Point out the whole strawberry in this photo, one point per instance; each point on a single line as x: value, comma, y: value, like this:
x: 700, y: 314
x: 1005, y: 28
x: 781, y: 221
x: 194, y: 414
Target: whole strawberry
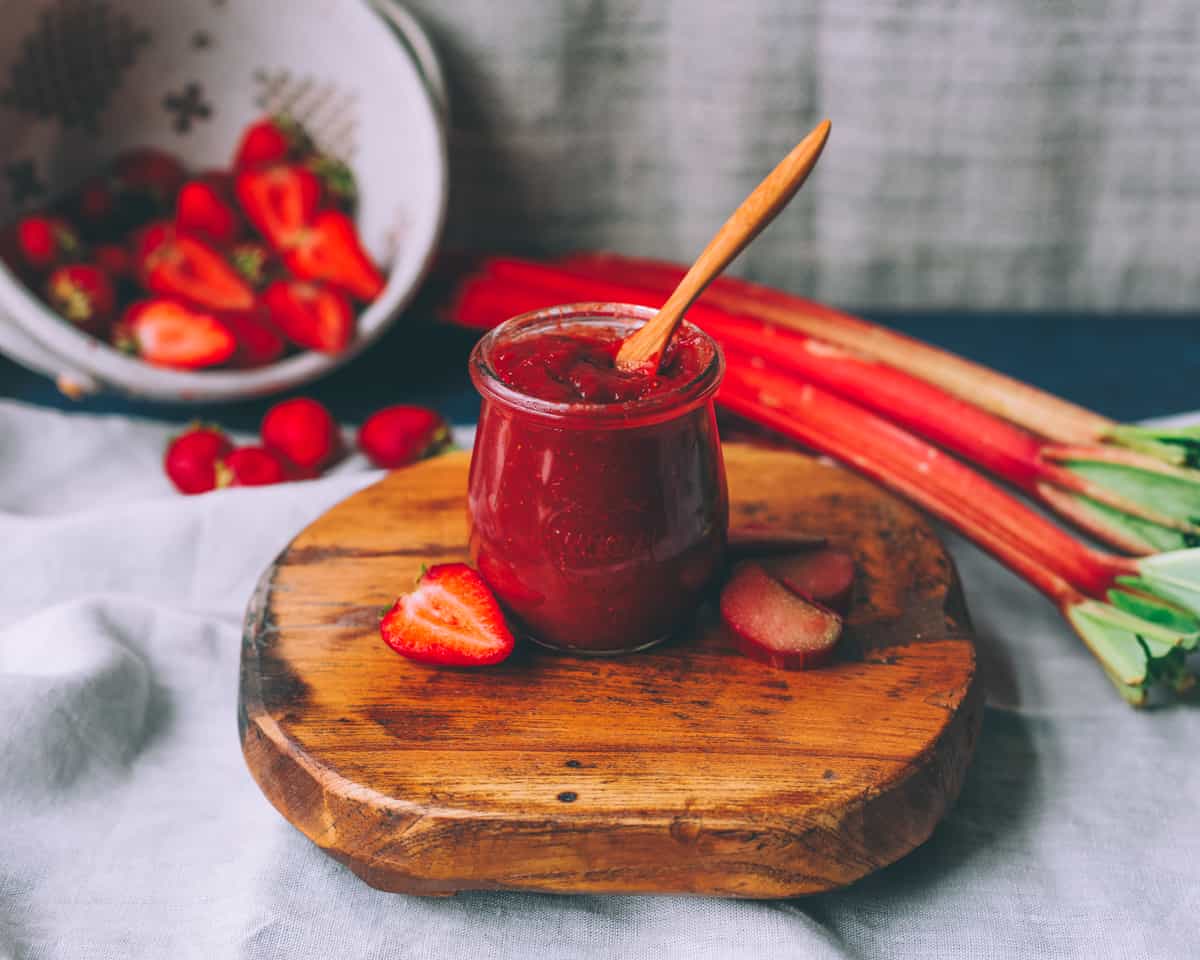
x: 43, y: 242
x: 304, y: 432
x: 402, y: 434
x: 191, y: 458
x: 82, y: 294
x: 250, y: 467
x: 204, y: 208
x: 273, y: 139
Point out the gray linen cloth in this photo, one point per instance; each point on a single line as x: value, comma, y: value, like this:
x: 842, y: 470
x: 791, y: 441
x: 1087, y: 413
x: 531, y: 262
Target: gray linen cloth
x: 129, y: 827
x: 995, y: 153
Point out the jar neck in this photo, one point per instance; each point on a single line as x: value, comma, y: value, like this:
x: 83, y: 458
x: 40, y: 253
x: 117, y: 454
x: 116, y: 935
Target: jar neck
x: 623, y: 319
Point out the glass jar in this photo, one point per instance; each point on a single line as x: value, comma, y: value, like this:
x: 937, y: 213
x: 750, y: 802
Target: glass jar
x: 598, y: 525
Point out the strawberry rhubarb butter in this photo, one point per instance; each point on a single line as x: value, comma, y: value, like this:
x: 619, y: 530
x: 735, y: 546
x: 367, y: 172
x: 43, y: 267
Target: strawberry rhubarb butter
x: 597, y: 498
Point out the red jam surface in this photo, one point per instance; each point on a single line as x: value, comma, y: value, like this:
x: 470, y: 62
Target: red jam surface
x: 580, y: 366
x: 598, y: 527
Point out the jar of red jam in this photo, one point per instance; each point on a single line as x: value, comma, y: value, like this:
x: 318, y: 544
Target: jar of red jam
x: 597, y: 499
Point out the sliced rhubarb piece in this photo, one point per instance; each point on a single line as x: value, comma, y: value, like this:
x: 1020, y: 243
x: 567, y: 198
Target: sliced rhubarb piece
x: 774, y: 625
x: 823, y: 576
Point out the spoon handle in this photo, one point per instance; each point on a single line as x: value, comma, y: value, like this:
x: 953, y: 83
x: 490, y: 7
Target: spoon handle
x: 646, y: 346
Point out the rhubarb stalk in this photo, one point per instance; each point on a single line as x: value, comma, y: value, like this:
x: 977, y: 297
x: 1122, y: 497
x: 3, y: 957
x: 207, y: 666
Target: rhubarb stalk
x: 1140, y: 634
x: 1038, y: 411
x: 1131, y: 501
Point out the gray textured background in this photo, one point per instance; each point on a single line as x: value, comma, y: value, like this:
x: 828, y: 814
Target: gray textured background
x: 1001, y: 153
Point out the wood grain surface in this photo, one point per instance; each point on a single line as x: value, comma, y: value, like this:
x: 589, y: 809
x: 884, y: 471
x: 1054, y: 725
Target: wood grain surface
x: 685, y: 769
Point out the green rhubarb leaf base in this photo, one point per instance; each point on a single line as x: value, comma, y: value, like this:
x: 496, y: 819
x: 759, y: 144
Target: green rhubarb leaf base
x: 1125, y: 527
x: 1137, y: 654
x: 1172, y: 495
x: 1137, y: 598
x: 1174, y: 577
x: 1179, y: 446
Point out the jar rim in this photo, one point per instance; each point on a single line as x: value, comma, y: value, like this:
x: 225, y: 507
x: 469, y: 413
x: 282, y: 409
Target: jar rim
x: 664, y: 405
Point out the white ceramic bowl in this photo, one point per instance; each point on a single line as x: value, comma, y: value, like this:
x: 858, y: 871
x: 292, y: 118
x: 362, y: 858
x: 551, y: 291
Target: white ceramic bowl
x: 83, y: 80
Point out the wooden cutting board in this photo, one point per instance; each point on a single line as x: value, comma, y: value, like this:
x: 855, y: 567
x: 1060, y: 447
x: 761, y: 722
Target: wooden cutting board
x: 685, y: 769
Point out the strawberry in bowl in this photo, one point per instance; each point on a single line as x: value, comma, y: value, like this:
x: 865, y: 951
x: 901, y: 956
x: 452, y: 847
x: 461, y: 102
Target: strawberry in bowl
x: 234, y: 269
x: 378, y: 159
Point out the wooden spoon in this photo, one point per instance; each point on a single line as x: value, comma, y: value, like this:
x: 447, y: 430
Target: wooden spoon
x: 643, y: 350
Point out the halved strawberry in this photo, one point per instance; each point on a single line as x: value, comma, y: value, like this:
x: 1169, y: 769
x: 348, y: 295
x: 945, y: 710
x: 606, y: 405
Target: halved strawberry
x: 43, y: 242
x: 311, y: 315
x: 168, y: 333
x: 279, y: 201
x: 303, y: 432
x: 328, y: 249
x: 250, y: 467
x: 171, y: 263
x: 259, y: 342
x: 204, y: 210
x: 774, y: 625
x: 191, y: 458
x: 451, y: 618
x: 273, y: 139
x: 83, y: 294
x: 825, y: 576
x: 402, y: 434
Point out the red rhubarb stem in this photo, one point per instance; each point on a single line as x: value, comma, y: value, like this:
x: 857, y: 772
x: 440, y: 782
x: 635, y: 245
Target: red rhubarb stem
x: 1036, y: 410
x: 912, y: 467
x: 979, y: 436
x: 1024, y: 540
x: 941, y: 417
